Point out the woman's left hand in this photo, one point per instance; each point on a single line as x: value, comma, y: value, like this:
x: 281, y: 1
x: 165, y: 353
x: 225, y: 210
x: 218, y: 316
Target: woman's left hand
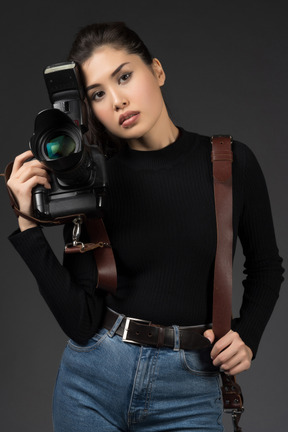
x: 230, y: 353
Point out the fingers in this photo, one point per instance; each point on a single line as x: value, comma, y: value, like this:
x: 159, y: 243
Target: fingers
x: 22, y: 163
x: 222, y: 343
x: 31, y: 170
x: 20, y: 159
x: 24, y: 187
x: 24, y: 171
x: 209, y: 334
x: 231, y: 354
x: 24, y: 177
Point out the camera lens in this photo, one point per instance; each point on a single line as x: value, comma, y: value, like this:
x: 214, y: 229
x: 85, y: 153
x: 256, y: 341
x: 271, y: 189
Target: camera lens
x: 56, y: 140
x: 58, y: 143
x: 60, y: 146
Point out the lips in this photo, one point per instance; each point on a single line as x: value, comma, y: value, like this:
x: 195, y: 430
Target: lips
x: 125, y: 118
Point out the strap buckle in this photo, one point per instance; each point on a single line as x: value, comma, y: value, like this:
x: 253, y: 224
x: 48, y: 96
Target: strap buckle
x: 236, y: 415
x: 76, y: 244
x: 126, y: 328
x: 234, y: 411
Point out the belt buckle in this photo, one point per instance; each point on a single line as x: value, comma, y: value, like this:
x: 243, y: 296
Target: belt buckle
x: 126, y: 328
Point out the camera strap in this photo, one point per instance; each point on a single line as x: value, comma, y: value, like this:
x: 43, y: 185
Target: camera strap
x: 101, y: 247
x: 100, y: 243
x: 222, y: 158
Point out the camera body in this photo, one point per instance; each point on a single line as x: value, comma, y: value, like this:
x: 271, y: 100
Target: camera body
x: 77, y: 169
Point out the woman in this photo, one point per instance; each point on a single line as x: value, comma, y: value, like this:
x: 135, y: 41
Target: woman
x: 160, y: 218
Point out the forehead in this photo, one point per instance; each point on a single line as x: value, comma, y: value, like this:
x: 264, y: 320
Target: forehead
x: 104, y: 61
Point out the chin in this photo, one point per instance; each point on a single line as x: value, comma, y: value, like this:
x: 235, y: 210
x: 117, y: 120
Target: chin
x: 133, y: 133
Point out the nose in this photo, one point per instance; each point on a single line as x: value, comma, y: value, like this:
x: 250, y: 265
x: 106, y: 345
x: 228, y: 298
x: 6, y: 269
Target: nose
x: 120, y: 105
x: 119, y: 102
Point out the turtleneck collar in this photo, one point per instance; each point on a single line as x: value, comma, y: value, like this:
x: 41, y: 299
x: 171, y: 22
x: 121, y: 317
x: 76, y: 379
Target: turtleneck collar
x: 155, y: 159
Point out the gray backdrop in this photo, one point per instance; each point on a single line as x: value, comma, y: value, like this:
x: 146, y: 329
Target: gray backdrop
x: 226, y: 65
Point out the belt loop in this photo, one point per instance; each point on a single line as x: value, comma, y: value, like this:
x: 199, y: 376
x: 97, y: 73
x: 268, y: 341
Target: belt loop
x: 115, y: 326
x: 176, y: 338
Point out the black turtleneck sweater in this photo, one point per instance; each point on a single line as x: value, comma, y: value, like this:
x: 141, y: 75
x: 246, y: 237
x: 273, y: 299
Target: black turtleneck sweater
x: 160, y: 218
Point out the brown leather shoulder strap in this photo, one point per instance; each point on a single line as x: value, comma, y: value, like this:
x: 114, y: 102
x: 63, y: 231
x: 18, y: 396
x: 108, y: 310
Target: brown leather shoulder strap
x: 222, y: 158
x: 104, y: 257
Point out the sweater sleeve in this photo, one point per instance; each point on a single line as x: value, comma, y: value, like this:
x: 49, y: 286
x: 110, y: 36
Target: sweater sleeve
x: 68, y: 289
x: 263, y: 265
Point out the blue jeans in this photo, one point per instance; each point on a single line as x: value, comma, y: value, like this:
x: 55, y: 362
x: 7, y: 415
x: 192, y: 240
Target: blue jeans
x: 109, y: 385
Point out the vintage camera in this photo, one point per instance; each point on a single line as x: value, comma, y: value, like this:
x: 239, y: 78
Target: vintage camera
x: 77, y: 169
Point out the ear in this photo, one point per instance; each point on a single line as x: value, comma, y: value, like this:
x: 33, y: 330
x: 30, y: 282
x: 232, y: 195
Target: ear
x: 158, y: 72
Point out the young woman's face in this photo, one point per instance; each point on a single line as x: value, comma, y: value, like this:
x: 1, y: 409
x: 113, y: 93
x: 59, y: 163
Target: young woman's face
x: 124, y: 92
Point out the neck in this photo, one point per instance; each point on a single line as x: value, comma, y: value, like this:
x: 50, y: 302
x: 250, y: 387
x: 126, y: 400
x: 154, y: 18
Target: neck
x: 161, y: 135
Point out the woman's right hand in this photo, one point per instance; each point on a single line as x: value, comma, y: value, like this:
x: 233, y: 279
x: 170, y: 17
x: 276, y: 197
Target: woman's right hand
x: 24, y: 176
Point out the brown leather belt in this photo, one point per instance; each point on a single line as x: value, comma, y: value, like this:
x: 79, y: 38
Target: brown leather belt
x: 143, y: 332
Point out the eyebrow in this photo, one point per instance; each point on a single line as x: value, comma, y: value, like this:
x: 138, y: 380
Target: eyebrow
x: 112, y: 75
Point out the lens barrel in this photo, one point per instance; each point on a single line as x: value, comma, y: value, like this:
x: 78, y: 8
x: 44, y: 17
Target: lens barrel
x: 58, y: 143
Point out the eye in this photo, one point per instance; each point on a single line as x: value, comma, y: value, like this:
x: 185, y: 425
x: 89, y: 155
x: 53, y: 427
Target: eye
x: 125, y: 77
x: 98, y: 95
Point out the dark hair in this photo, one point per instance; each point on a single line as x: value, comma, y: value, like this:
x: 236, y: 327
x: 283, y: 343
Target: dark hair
x: 88, y: 39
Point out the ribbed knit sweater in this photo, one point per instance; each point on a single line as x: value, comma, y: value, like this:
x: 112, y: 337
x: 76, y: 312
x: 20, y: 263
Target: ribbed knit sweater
x: 160, y: 218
